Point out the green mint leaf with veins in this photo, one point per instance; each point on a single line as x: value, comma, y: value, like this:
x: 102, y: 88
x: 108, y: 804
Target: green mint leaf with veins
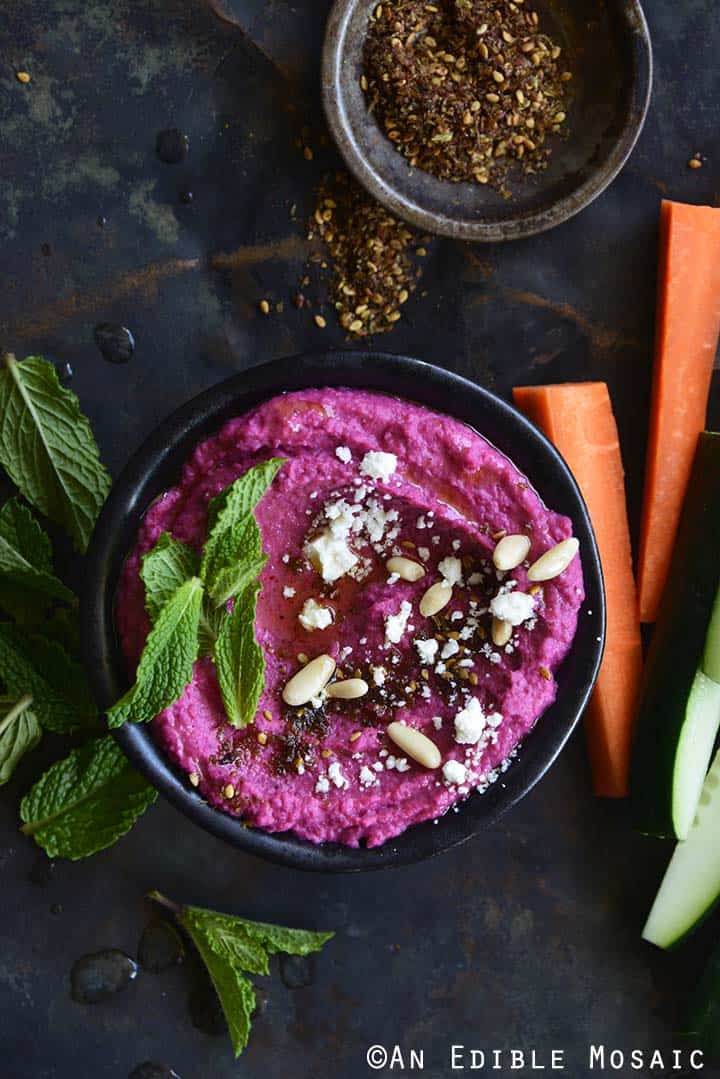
x: 238, y: 562
x: 20, y: 732
x: 26, y: 554
x: 233, y: 947
x: 47, y: 447
x: 239, y: 660
x: 85, y: 802
x: 233, y: 550
x: 168, y: 565
x: 166, y: 665
x: 30, y: 663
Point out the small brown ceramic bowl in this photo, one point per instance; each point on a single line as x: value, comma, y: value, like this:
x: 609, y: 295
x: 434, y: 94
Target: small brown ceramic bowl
x: 607, y: 48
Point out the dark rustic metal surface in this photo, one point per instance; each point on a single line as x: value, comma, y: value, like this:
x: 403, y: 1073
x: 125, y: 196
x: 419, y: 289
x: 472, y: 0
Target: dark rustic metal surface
x: 529, y: 935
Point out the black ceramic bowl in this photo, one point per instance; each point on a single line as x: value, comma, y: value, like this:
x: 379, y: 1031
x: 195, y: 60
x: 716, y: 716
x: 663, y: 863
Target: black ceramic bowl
x: 607, y: 48
x: 157, y: 466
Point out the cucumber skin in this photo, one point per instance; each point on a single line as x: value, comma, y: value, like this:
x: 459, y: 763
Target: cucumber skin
x: 678, y: 644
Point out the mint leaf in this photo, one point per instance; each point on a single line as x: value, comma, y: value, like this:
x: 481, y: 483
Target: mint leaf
x: 239, y: 660
x: 85, y: 802
x: 19, y: 733
x: 230, y: 946
x: 26, y: 555
x: 47, y: 447
x: 235, y: 992
x: 30, y: 663
x: 233, y: 550
x: 237, y: 562
x: 166, y: 665
x: 168, y: 565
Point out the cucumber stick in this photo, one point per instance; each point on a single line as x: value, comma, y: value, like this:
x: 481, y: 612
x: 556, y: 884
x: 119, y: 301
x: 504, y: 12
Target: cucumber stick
x: 679, y: 711
x: 694, y: 750
x: 691, y: 885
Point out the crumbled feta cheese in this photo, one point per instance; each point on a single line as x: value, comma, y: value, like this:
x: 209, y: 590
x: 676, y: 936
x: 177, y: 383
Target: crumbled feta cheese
x: 470, y: 723
x: 454, y: 772
x: 330, y: 555
x: 379, y: 674
x: 395, y: 624
x: 288, y: 592
x: 368, y: 777
x: 342, y: 517
x: 512, y: 607
x: 451, y: 569
x: 451, y: 648
x: 456, y: 545
x: 378, y: 465
x: 335, y: 776
x: 343, y: 454
x: 314, y: 616
x: 427, y: 650
x: 323, y: 785
x: 475, y: 578
x: 400, y: 764
x: 424, y: 553
x: 286, y: 558
x: 437, y: 722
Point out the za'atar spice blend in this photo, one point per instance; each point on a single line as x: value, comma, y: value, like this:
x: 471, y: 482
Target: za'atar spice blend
x: 467, y: 90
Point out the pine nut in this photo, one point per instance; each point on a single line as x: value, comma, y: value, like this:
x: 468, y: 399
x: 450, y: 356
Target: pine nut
x: 405, y: 568
x: 511, y: 551
x: 349, y: 689
x: 437, y: 596
x: 501, y: 632
x: 555, y: 561
x: 309, y: 681
x: 415, y: 744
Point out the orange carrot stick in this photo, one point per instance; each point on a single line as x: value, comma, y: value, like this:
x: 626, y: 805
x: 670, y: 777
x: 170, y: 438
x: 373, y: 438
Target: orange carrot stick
x: 688, y: 323
x: 578, y: 419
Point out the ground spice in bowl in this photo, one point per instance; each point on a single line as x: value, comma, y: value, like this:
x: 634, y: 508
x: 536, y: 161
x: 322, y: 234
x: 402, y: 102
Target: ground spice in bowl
x: 468, y: 90
x: 372, y: 258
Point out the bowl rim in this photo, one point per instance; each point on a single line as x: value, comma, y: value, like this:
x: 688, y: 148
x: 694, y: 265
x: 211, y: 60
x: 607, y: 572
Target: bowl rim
x: 334, y: 73
x: 158, y: 463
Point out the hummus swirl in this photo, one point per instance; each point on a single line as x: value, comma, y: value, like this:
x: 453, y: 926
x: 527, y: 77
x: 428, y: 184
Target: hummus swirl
x: 367, y: 478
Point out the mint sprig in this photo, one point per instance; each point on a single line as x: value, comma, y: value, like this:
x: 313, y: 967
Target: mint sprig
x: 239, y: 660
x: 168, y: 565
x: 231, y: 563
x: 166, y: 665
x: 20, y: 732
x: 85, y: 802
x: 232, y: 948
x: 47, y: 447
x: 26, y: 555
x: 233, y: 556
x: 31, y: 663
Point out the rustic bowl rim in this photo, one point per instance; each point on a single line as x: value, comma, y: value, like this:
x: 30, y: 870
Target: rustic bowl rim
x: 157, y: 464
x: 335, y: 75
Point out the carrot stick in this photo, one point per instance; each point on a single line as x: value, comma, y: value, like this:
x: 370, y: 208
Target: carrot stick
x: 688, y: 323
x: 578, y: 419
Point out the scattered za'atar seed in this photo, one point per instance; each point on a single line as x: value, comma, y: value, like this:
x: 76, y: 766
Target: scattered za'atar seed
x: 367, y: 252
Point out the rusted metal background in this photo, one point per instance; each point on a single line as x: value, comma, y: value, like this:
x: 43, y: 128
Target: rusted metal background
x: 527, y: 937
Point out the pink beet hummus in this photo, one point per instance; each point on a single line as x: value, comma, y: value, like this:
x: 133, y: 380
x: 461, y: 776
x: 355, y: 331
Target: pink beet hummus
x: 377, y: 477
